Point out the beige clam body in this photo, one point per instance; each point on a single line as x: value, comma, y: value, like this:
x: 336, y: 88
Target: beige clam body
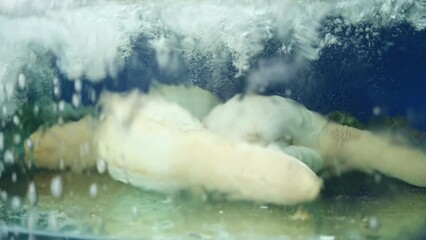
x: 151, y: 142
x: 163, y: 147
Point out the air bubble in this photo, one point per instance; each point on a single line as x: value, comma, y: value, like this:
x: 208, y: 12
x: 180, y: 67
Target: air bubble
x: 93, y: 190
x: 373, y: 223
x: 4, y: 110
x: 60, y: 120
x: 57, y: 91
x: 288, y: 137
x: 376, y: 111
x: 135, y: 212
x: 92, y: 95
x: 32, y: 220
x: 56, y: 186
x: 21, y: 81
x: 1, y: 168
x: 36, y: 109
x: 52, y: 221
x: 55, y: 81
x: 84, y: 149
x: 61, y: 164
x: 16, y: 120
x: 29, y: 143
x: 76, y: 100
x: 61, y: 106
x: 3, y: 195
x: 16, y: 138
x: 15, y: 202
x: 32, y: 194
x: 1, y: 141
x: 55, y: 108
x: 101, y: 166
x: 288, y: 93
x: 8, y: 157
x: 14, y: 177
x: 78, y: 85
x: 377, y: 178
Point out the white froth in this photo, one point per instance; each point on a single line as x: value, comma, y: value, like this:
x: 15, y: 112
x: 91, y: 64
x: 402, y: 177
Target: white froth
x: 91, y: 39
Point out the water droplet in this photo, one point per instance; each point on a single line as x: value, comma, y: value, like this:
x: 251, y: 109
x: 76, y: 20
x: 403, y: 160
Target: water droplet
x: 263, y: 207
x: 14, y: 177
x: 220, y: 211
x: 101, y: 166
x: 21, y: 81
x: 376, y: 111
x: 16, y: 120
x: 15, y: 202
x: 8, y: 157
x: 76, y: 100
x: 93, y: 190
x: 78, y: 85
x: 32, y: 194
x: 56, y: 186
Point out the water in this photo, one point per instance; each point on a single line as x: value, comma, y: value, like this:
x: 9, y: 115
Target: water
x: 57, y: 57
x: 388, y: 210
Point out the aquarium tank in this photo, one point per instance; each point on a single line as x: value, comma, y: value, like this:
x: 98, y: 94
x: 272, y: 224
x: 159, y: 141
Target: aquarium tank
x: 192, y: 119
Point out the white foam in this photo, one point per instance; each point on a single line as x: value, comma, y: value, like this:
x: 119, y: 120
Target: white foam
x: 91, y: 38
